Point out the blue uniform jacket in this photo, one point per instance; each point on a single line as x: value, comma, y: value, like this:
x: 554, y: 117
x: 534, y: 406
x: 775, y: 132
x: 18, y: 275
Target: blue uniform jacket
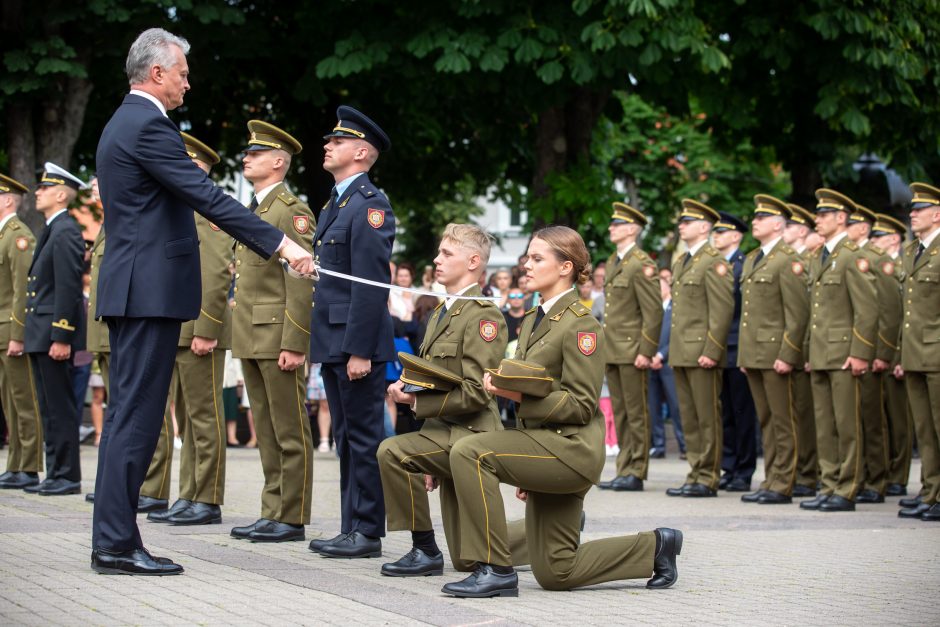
x: 737, y: 267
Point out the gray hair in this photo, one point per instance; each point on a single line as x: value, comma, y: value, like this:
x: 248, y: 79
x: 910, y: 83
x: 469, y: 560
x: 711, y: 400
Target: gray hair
x: 152, y: 47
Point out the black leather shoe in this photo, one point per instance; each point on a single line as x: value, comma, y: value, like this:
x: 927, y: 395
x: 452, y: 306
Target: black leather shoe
x: 20, y: 481
x: 869, y: 496
x: 680, y: 491
x: 628, y: 483
x: 354, y: 545
x: 242, y: 532
x: 197, y: 514
x: 896, y: 489
x: 163, y: 515
x: 803, y: 491
x: 836, y: 503
x: 769, y: 497
x: 753, y: 497
x: 90, y: 497
x: 657, y: 454
x: 932, y: 514
x: 668, y: 545
x: 738, y: 485
x: 59, y: 487
x: 319, y: 543
x: 34, y: 489
x: 913, y: 512
x: 724, y: 481
x: 149, y: 504
x: 275, y: 531
x: 134, y: 562
x: 697, y: 490
x: 815, y: 503
x: 484, y: 583
x: 8, y: 475
x: 415, y: 563
x: 913, y: 501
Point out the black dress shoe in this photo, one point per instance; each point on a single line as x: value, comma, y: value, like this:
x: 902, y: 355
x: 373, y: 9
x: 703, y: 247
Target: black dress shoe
x: 36, y: 487
x: 697, y: 490
x: 628, y: 483
x: 724, y: 481
x: 90, y: 497
x: 668, y: 545
x: 8, y: 475
x: 484, y: 583
x: 276, y: 531
x: 913, y: 501
x: 815, y: 503
x: 20, y: 481
x: 354, y: 545
x: 415, y: 563
x: 242, y: 532
x: 769, y: 497
x: 738, y: 485
x: 836, y: 503
x: 680, y: 491
x: 869, y: 496
x: 753, y: 497
x: 932, y: 514
x: 149, y: 504
x: 913, y: 512
x: 197, y: 514
x: 59, y: 487
x: 163, y: 515
x: 657, y: 454
x: 134, y: 562
x: 803, y: 491
x: 896, y: 489
x: 319, y: 543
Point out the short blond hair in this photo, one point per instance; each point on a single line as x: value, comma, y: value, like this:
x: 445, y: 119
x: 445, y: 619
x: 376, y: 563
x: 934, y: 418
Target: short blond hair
x: 471, y: 237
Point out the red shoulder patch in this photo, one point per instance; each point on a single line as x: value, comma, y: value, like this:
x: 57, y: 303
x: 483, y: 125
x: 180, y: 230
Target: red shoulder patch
x: 649, y: 271
x: 214, y: 227
x: 376, y: 218
x: 301, y: 224
x: 862, y: 264
x: 488, y: 330
x: 888, y: 267
x: 721, y: 268
x: 797, y: 268
x: 22, y: 243
x: 587, y: 343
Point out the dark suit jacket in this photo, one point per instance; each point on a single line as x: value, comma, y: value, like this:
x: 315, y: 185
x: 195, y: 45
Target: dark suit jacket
x: 737, y: 267
x: 149, y: 189
x: 55, y: 309
x: 355, y: 236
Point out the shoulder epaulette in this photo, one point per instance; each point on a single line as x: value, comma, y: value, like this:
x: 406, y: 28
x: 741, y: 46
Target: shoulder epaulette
x: 785, y: 248
x: 851, y: 245
x: 877, y: 250
x: 287, y: 198
x: 578, y: 308
x: 709, y: 249
x: 367, y: 189
x: 485, y: 303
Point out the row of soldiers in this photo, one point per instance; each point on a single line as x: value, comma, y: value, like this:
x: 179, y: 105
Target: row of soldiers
x: 838, y: 344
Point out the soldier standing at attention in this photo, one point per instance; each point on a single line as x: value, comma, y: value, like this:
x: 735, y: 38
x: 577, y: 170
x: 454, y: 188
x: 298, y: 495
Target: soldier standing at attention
x: 702, y: 307
x: 633, y: 313
x: 774, y: 313
x: 920, y: 344
x: 16, y: 381
x: 843, y: 326
x: 271, y: 333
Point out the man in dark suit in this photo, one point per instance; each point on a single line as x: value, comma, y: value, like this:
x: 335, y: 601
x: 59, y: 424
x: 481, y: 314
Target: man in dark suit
x: 662, y: 383
x: 55, y: 328
x: 738, y: 415
x: 150, y: 281
x: 351, y: 329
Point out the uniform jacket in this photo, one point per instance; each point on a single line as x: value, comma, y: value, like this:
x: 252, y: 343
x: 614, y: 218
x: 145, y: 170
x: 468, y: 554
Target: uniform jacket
x: 882, y: 268
x: 272, y: 309
x: 98, y: 340
x: 569, y: 343
x: 54, y: 302
x: 215, y: 316
x: 633, y: 307
x: 355, y: 236
x: 16, y: 255
x: 920, y: 336
x: 737, y: 269
x: 702, y: 306
x: 775, y: 309
x: 891, y: 301
x: 150, y: 188
x: 464, y: 342
x: 844, y: 319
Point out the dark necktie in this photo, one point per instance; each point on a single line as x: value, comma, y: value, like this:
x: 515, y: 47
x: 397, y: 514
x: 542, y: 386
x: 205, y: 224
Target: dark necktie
x: 825, y: 255
x: 441, y: 315
x: 253, y: 205
x: 760, y: 255
x: 688, y: 258
x: 538, y: 318
x: 920, y: 251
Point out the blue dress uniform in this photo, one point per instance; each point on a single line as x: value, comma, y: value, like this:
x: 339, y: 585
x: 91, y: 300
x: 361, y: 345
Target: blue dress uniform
x: 355, y: 234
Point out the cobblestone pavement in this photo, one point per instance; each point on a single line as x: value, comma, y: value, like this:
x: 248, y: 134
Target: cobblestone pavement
x: 741, y: 564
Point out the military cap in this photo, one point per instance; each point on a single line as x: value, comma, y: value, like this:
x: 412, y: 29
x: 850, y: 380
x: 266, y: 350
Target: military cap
x: 424, y: 374
x: 522, y: 376
x: 11, y: 186
x: 54, y: 175
x: 924, y: 196
x: 831, y: 200
x: 625, y: 214
x: 353, y: 123
x: 767, y: 205
x: 694, y: 210
x: 888, y: 225
x: 861, y: 214
x: 799, y: 215
x: 265, y: 136
x: 198, y: 150
x: 729, y: 222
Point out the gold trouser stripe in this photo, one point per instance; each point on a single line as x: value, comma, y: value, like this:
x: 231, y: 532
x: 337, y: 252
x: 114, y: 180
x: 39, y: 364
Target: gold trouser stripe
x: 793, y: 426
x: 301, y: 415
x: 858, y: 436
x: 287, y: 313
x: 40, y: 436
x: 886, y: 440
x: 863, y: 340
x: 218, y: 424
x: 401, y: 464
x: 206, y: 314
x: 716, y: 401
x: 646, y: 425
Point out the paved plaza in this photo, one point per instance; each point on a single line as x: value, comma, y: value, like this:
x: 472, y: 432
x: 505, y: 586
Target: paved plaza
x: 740, y: 564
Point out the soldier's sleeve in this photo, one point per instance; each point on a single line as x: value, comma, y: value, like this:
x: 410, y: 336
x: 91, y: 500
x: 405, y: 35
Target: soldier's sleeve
x: 295, y: 336
x: 889, y: 321
x: 719, y: 296
x: 215, y: 254
x: 19, y: 263
x: 68, y: 251
x: 795, y: 313
x: 864, y: 297
x: 478, y: 353
x: 651, y: 307
x: 582, y: 374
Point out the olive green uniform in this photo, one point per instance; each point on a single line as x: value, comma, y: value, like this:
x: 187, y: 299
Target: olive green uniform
x: 843, y: 323
x: 920, y: 357
x: 556, y: 454
x: 897, y: 410
x: 462, y: 342
x: 702, y: 309
x: 272, y: 313
x: 96, y: 332
x: 17, y: 392
x: 807, y: 461
x: 633, y: 314
x: 774, y: 315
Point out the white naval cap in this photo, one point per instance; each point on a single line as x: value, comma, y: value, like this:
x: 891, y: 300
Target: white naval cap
x: 55, y: 175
